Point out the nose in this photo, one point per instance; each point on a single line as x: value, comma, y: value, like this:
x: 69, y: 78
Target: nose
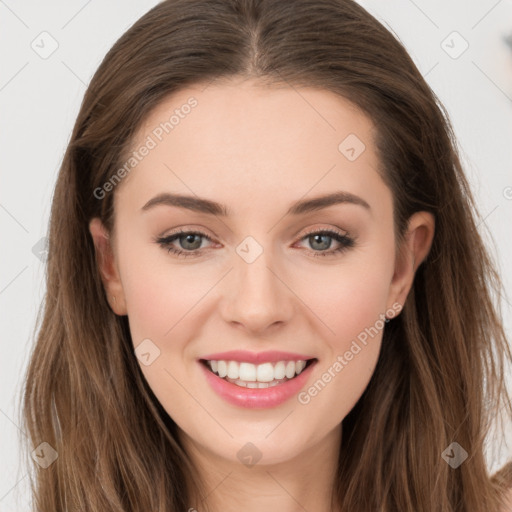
x: 256, y: 296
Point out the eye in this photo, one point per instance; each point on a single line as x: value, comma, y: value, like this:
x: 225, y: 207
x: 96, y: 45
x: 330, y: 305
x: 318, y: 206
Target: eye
x: 190, y: 242
x: 321, y: 240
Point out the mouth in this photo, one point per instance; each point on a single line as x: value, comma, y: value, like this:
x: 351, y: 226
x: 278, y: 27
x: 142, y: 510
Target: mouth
x: 257, y: 376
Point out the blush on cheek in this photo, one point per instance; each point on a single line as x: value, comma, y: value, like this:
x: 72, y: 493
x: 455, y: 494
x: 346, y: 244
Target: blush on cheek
x: 150, y: 303
x: 164, y: 304
x: 347, y: 307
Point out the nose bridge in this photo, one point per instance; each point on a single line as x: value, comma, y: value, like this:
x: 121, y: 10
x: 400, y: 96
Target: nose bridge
x: 258, y: 298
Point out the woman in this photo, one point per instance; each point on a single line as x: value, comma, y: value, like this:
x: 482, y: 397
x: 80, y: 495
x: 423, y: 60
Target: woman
x: 266, y: 287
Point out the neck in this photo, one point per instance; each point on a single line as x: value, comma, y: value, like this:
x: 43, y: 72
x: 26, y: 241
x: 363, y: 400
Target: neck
x: 303, y: 482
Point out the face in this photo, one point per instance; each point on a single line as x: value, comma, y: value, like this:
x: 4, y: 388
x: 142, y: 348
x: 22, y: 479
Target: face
x: 267, y: 271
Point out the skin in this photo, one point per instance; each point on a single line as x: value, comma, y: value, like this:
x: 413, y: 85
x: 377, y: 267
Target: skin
x: 257, y: 149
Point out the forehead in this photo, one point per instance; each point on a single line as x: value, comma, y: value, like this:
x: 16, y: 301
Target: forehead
x: 248, y: 138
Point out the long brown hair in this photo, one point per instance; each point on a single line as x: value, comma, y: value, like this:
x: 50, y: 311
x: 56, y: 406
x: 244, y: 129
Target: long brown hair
x: 440, y: 375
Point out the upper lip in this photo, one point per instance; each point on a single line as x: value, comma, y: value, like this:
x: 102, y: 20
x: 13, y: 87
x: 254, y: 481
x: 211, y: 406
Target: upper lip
x: 256, y: 357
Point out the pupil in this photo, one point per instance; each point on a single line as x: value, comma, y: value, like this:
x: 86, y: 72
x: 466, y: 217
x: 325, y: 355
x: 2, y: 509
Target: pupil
x: 318, y: 237
x: 189, y: 239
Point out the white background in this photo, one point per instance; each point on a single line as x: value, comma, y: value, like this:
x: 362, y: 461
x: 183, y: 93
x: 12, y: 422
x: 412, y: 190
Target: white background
x: 40, y: 98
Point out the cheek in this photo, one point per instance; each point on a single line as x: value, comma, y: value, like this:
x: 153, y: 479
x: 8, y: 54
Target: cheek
x: 353, y: 308
x: 348, y: 299
x: 158, y: 295
x: 358, y: 306
x: 350, y: 302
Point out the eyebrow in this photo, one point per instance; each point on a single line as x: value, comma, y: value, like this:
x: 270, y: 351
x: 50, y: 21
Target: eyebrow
x: 207, y: 206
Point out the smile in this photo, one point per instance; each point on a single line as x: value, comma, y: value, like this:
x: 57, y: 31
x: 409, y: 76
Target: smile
x: 259, y: 376
x: 257, y: 386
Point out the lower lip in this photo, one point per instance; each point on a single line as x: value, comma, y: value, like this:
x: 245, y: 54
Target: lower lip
x: 256, y: 398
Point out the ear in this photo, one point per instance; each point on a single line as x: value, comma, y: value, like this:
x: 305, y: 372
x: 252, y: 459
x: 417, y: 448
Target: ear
x: 107, y: 267
x: 414, y: 250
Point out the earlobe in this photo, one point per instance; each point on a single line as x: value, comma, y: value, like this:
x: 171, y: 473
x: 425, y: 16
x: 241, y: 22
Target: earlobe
x: 107, y: 266
x: 414, y: 250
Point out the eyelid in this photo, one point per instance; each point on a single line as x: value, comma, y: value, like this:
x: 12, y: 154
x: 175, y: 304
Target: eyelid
x: 182, y: 231
x: 342, y: 237
x: 199, y: 231
x: 186, y: 229
x: 338, y: 231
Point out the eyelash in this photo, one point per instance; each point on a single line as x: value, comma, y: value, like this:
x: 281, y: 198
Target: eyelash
x: 345, y: 241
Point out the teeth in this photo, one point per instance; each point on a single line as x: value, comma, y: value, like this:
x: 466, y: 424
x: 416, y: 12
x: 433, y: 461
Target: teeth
x: 233, y: 370
x: 244, y: 384
x: 250, y: 375
x: 247, y: 370
x: 222, y: 369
